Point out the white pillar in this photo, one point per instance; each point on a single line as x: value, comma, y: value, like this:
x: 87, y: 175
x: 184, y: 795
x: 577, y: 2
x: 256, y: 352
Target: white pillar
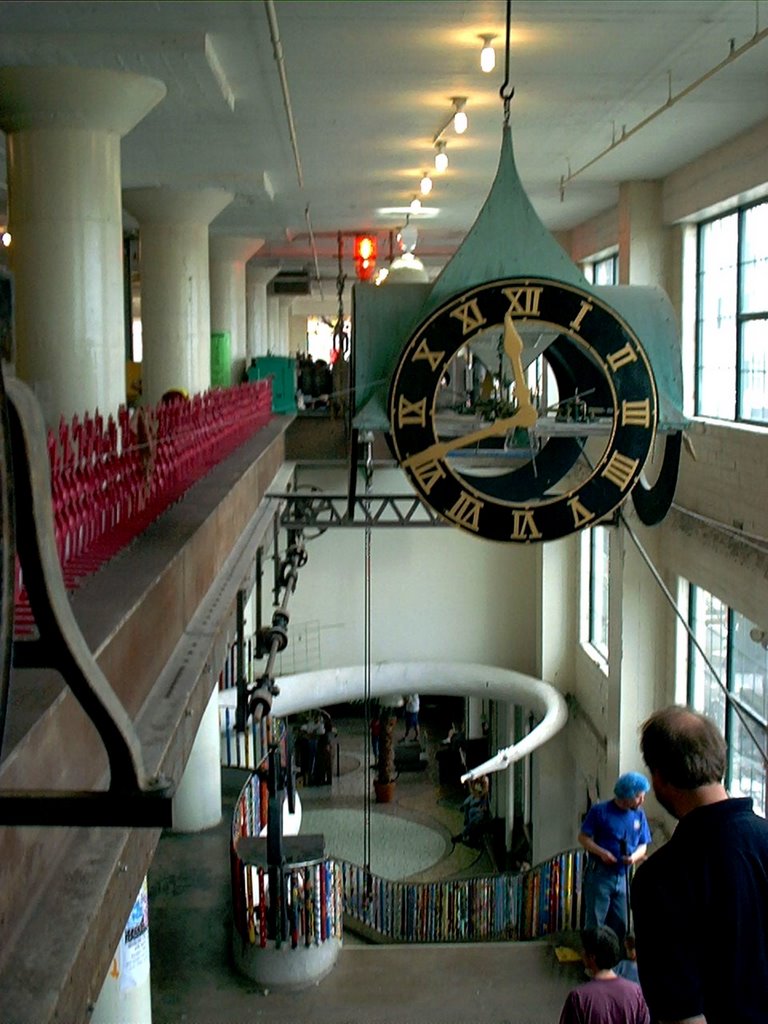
x: 126, y: 995
x: 273, y: 325
x: 256, y: 280
x: 197, y: 801
x: 63, y: 128
x: 474, y: 723
x: 175, y: 286
x: 228, y: 257
x: 642, y: 235
x: 285, y: 305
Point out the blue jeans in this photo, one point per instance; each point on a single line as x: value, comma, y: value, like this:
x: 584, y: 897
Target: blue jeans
x: 605, y: 896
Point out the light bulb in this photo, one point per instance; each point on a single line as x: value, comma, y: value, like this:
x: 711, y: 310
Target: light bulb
x: 408, y: 237
x: 425, y: 184
x: 487, y: 54
x: 460, y: 121
x: 441, y: 157
x: 5, y: 238
x: 415, y: 204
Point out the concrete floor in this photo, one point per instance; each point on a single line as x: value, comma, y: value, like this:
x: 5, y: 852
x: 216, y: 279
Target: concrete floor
x: 194, y: 982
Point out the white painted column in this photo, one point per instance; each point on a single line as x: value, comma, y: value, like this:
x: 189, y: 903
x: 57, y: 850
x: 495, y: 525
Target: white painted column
x: 63, y: 128
x: 175, y: 286
x: 227, y: 258
x: 197, y: 801
x: 256, y: 280
x: 126, y: 995
x: 273, y: 325
x: 285, y: 305
x: 474, y: 723
x: 642, y: 236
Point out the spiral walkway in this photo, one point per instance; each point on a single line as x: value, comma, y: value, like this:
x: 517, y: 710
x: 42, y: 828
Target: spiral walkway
x: 194, y: 982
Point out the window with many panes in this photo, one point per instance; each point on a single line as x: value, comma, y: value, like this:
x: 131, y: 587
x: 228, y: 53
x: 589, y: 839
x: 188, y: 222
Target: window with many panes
x: 733, y: 647
x: 604, y: 271
x: 599, y: 542
x: 732, y: 316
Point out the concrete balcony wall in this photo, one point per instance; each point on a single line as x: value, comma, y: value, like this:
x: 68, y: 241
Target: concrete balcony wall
x: 159, y: 619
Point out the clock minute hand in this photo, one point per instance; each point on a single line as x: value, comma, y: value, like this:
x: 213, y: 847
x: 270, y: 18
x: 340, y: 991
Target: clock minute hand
x: 513, y: 347
x: 525, y: 416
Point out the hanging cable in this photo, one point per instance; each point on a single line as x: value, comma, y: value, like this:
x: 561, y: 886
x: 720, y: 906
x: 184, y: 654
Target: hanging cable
x: 340, y: 340
x: 367, y: 683
x: 507, y: 91
x: 730, y: 698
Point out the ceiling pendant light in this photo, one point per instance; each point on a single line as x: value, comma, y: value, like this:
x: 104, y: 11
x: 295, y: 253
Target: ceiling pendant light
x: 415, y: 204
x: 425, y: 184
x: 441, y: 157
x: 460, y: 121
x: 487, y: 54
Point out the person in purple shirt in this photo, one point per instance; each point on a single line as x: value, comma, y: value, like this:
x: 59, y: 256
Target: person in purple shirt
x: 606, y: 998
x: 615, y: 833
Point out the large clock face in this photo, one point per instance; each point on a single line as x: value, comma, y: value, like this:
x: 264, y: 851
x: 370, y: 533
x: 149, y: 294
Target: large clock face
x: 523, y: 410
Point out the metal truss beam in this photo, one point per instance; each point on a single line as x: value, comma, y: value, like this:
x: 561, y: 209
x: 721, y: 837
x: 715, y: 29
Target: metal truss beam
x: 320, y: 511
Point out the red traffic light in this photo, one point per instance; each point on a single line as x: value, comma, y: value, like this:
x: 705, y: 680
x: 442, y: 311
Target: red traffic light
x: 365, y: 256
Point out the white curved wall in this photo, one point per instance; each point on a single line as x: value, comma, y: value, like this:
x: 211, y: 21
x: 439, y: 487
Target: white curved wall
x: 333, y: 686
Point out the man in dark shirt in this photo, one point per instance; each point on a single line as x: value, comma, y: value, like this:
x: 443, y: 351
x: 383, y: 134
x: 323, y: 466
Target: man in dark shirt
x: 700, y: 903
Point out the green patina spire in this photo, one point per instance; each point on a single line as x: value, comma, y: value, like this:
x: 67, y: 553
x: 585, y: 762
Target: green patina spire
x: 507, y: 240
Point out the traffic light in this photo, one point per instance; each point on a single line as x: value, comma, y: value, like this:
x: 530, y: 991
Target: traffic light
x: 365, y: 256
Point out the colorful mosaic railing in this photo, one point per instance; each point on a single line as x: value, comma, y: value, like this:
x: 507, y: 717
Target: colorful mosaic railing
x: 311, y: 892
x: 246, y: 749
x: 312, y: 896
x: 542, y: 901
x: 530, y: 905
x: 110, y: 480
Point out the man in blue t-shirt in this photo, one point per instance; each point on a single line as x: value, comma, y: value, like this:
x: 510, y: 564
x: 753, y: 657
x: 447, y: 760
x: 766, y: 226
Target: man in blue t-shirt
x: 615, y: 834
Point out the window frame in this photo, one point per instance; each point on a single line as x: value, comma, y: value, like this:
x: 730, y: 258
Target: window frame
x: 741, y: 318
x: 597, y: 633
x: 730, y: 722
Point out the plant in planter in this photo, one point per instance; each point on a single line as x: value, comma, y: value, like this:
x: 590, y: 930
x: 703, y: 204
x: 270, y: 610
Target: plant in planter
x: 384, y: 783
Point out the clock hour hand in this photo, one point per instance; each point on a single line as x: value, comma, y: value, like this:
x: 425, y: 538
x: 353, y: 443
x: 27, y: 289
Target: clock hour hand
x: 513, y: 347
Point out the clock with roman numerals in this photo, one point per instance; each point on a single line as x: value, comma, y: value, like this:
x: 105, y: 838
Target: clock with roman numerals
x: 523, y: 410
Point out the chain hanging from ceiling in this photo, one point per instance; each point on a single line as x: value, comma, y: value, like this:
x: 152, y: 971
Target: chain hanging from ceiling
x: 507, y: 91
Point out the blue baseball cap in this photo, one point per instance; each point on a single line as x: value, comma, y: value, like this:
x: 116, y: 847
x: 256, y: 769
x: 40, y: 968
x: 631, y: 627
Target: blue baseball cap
x: 630, y: 784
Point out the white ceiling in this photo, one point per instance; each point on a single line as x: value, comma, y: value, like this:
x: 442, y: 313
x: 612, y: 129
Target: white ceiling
x: 370, y: 85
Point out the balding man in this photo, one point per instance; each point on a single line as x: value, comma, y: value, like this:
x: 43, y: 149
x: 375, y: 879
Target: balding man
x: 700, y: 903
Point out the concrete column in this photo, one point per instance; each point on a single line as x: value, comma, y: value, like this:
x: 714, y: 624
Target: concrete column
x: 474, y: 723
x: 175, y: 286
x: 273, y: 326
x: 126, y: 995
x: 642, y: 237
x: 284, y: 320
x: 197, y: 801
x: 256, y: 281
x: 63, y: 128
x: 227, y: 258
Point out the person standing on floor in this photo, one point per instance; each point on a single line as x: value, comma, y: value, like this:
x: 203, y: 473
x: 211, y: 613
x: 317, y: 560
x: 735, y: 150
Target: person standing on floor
x: 700, y: 903
x: 616, y: 835
x: 606, y: 998
x: 411, y: 715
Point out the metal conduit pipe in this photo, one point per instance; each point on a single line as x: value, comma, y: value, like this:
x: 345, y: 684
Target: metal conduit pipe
x: 733, y: 54
x: 277, y: 49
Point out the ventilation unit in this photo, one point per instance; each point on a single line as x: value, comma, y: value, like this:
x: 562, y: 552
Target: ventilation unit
x: 290, y: 282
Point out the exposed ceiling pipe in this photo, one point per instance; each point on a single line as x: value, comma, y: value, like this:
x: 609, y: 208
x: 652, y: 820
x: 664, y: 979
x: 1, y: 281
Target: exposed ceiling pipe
x: 314, y: 249
x: 733, y: 54
x: 277, y: 50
